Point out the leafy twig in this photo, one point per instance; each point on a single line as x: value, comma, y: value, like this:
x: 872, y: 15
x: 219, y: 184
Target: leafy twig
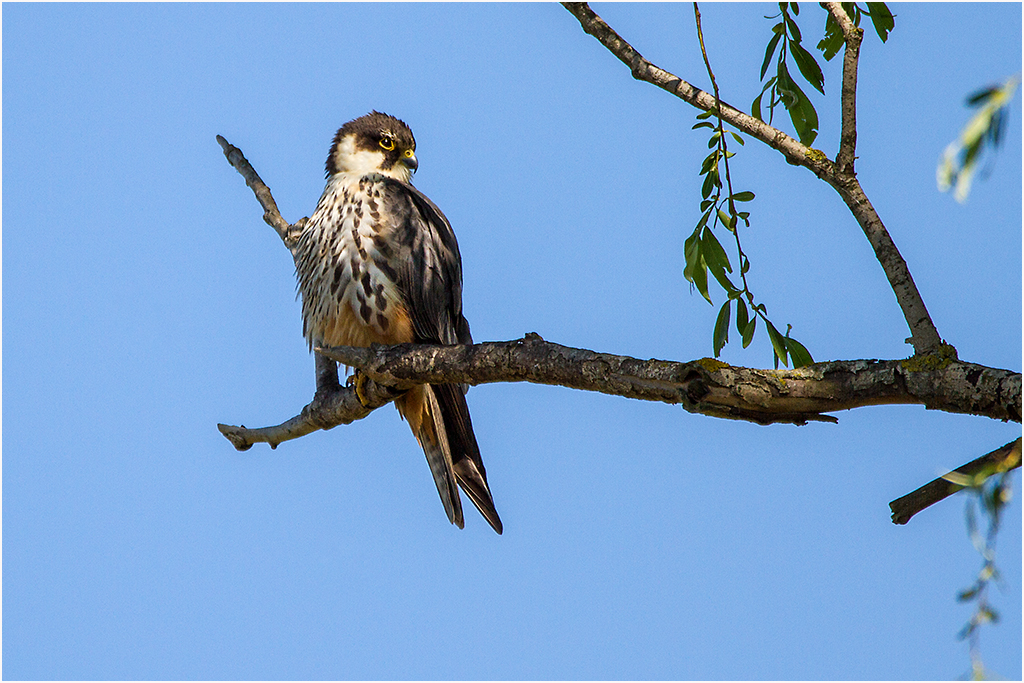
x: 704, y: 252
x: 781, y: 87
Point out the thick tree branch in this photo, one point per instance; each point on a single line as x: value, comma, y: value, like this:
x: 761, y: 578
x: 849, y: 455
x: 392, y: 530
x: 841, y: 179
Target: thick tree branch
x: 289, y: 233
x: 706, y: 386
x: 923, y: 335
x: 1001, y: 459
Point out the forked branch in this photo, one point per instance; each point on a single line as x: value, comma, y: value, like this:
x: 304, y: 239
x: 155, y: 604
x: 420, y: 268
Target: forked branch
x: 923, y: 335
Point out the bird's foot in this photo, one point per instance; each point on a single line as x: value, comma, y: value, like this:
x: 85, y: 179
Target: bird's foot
x: 357, y: 381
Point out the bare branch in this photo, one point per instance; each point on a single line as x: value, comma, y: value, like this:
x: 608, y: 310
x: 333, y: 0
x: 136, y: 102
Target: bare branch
x: 289, y: 234
x: 923, y: 335
x: 706, y: 386
x: 851, y: 57
x: 1004, y: 459
x: 329, y: 408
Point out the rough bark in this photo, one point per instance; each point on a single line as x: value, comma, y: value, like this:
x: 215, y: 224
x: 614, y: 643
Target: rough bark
x: 707, y: 387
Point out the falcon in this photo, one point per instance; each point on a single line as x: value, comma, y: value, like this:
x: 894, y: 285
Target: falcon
x: 377, y: 263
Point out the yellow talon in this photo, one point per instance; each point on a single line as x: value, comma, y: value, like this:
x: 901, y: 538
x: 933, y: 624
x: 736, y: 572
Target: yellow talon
x: 357, y: 381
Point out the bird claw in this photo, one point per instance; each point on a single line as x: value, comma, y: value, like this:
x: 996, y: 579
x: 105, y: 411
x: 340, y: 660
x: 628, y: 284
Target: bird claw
x: 357, y: 381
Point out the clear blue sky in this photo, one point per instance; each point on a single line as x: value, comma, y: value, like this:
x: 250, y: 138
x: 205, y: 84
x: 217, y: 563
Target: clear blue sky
x: 145, y: 301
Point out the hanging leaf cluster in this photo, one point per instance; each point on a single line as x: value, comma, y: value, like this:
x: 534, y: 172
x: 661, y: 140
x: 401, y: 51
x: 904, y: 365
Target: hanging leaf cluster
x: 781, y: 88
x: 990, y: 491
x: 704, y: 253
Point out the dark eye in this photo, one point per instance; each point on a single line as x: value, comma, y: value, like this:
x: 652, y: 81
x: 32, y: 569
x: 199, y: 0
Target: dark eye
x: 387, y: 143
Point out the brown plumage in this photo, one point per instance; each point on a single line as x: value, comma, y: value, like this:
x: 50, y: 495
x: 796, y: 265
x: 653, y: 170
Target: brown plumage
x: 378, y: 263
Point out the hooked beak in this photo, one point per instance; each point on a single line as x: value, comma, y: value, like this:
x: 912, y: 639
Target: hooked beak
x: 409, y: 159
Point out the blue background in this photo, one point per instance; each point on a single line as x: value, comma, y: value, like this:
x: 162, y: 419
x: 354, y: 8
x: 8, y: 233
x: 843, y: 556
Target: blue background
x: 145, y: 301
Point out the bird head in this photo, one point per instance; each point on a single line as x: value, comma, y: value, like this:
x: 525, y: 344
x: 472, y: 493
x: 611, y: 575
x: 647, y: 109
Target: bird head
x: 375, y: 143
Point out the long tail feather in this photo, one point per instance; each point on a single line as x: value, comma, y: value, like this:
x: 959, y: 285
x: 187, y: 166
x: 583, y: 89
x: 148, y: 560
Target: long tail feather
x: 466, y: 460
x: 418, y: 406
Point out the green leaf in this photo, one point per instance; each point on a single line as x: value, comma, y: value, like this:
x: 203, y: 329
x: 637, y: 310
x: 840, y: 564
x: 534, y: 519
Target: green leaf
x: 809, y: 68
x: 741, y: 316
x: 965, y: 595
x: 802, y: 114
x: 799, y: 353
x: 778, y: 345
x: 833, y: 40
x: 709, y: 185
x: 770, y: 50
x: 728, y: 221
x: 702, y: 124
x: 700, y: 280
x: 737, y: 137
x: 691, y: 254
x: 710, y: 162
x: 744, y: 196
x: 703, y: 220
x: 696, y: 270
x: 748, y: 332
x: 794, y: 30
x: 725, y: 282
x: 713, y: 140
x: 981, y: 96
x: 714, y: 254
x: 882, y: 19
x: 722, y: 328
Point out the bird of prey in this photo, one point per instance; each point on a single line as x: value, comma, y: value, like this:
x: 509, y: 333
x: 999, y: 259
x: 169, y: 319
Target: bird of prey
x: 378, y: 263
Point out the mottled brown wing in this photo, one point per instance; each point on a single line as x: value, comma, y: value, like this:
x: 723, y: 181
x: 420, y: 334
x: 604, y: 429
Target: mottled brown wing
x: 429, y: 275
x: 429, y: 267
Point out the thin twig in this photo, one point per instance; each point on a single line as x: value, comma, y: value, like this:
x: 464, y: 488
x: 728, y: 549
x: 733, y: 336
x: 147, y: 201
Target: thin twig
x: 759, y: 311
x: 852, y: 36
x: 288, y: 233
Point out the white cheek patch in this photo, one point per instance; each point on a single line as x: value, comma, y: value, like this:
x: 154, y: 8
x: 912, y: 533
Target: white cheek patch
x: 347, y: 159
